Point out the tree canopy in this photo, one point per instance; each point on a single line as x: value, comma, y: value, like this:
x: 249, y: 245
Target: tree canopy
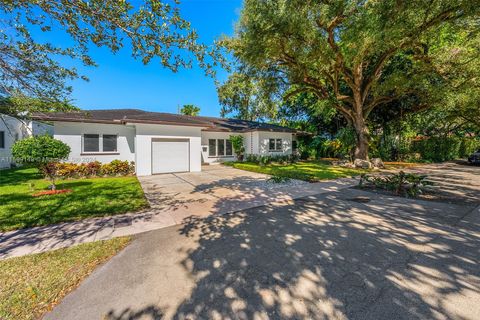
x: 357, y: 55
x: 190, y: 110
x: 151, y: 29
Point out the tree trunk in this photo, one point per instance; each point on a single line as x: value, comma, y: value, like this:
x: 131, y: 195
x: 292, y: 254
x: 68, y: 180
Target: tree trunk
x: 363, y: 138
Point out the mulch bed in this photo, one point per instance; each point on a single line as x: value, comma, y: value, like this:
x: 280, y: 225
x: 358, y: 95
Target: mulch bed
x: 50, y: 192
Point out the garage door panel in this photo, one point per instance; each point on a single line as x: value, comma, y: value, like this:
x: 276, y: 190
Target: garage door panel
x: 170, y: 155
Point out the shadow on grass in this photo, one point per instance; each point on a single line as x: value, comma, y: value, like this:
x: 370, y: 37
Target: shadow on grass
x: 18, y: 176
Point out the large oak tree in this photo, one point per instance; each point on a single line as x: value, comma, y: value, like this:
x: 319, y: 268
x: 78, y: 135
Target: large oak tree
x: 356, y: 55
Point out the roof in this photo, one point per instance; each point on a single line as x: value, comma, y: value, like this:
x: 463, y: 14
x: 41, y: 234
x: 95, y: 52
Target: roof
x: 124, y: 116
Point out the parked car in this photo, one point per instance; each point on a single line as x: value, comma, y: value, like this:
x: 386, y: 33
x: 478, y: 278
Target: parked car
x: 474, y: 158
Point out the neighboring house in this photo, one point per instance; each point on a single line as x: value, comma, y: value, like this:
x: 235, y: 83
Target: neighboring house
x: 162, y: 142
x: 13, y: 129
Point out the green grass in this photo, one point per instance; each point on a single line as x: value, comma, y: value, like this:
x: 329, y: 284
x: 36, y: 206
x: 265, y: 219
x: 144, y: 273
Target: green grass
x: 31, y: 285
x: 304, y: 170
x: 90, y: 198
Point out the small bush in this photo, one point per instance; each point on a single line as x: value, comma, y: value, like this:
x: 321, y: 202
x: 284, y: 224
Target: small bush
x: 279, y: 179
x: 264, y: 160
x: 404, y: 184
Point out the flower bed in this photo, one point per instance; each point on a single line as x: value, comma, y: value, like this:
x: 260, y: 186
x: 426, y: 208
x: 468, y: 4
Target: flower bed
x: 50, y: 192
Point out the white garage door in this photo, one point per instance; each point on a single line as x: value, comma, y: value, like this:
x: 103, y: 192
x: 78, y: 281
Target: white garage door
x: 170, y: 155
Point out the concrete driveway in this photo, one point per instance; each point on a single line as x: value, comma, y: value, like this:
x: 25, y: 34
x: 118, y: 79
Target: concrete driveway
x: 219, y: 189
x: 346, y: 254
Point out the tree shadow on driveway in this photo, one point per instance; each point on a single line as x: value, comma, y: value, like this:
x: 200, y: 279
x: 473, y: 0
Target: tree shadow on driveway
x: 328, y: 257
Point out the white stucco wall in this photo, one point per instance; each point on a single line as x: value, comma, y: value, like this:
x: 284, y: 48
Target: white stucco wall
x: 13, y: 129
x: 147, y: 132
x: 214, y: 135
x: 71, y: 133
x: 40, y: 128
x: 263, y: 139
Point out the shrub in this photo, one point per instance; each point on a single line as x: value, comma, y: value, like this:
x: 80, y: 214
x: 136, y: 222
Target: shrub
x: 94, y: 169
x: 438, y: 149
x: 238, y: 146
x: 468, y: 146
x: 405, y: 184
x: 279, y: 179
x: 42, y: 151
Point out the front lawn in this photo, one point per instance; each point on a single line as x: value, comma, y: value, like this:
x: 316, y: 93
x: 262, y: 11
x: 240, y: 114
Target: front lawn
x: 303, y: 170
x: 34, y: 284
x: 90, y: 198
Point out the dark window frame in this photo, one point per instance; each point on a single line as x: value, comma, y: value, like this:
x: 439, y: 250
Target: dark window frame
x: 2, y: 140
x: 100, y: 144
x: 277, y: 145
x: 116, y: 142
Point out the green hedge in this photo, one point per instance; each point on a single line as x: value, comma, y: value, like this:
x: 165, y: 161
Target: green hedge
x: 438, y: 149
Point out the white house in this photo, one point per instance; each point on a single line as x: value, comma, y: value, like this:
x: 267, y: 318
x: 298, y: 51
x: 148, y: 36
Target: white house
x: 13, y: 129
x: 163, y: 142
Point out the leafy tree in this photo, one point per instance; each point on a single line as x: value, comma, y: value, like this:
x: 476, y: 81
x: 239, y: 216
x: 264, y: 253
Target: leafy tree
x: 357, y: 55
x: 190, y: 110
x: 240, y: 96
x: 32, y: 69
x: 42, y: 152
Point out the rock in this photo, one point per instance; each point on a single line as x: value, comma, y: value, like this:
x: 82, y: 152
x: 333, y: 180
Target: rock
x: 377, y: 163
x: 363, y: 164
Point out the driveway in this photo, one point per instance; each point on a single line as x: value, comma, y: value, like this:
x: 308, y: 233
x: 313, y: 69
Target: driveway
x: 219, y: 189
x: 346, y: 254
x: 173, y: 198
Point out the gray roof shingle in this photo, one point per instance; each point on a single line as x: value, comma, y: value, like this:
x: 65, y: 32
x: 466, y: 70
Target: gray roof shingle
x: 122, y: 116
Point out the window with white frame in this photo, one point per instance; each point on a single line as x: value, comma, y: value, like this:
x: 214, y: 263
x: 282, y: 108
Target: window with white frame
x: 275, y: 145
x: 2, y: 139
x: 99, y: 143
x: 220, y: 148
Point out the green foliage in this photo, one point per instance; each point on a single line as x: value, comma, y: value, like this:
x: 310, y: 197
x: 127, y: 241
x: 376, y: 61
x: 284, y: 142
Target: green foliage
x: 356, y: 56
x: 238, y: 145
x: 240, y: 96
x: 264, y: 160
x: 438, y: 149
x: 92, y: 169
x: 190, y: 110
x: 40, y: 150
x: 405, y: 184
x: 279, y: 179
x: 152, y: 30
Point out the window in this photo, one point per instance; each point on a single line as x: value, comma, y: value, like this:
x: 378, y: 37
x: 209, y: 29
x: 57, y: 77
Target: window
x: 220, y: 148
x: 212, y: 147
x: 2, y: 139
x: 91, y: 143
x: 229, y: 149
x: 109, y: 143
x: 99, y: 143
x: 279, y: 146
x: 275, y: 145
x: 271, y: 144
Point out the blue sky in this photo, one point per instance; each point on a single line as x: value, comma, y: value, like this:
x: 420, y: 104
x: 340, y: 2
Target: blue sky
x: 119, y: 81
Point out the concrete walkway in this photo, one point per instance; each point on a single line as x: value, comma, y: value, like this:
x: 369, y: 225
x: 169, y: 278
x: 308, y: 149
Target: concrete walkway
x: 215, y: 191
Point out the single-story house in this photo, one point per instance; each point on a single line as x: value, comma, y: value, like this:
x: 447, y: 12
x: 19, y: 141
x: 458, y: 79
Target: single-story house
x: 163, y: 142
x: 13, y: 129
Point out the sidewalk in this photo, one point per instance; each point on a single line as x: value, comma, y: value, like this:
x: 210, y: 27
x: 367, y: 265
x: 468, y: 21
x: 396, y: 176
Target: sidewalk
x: 39, y: 239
